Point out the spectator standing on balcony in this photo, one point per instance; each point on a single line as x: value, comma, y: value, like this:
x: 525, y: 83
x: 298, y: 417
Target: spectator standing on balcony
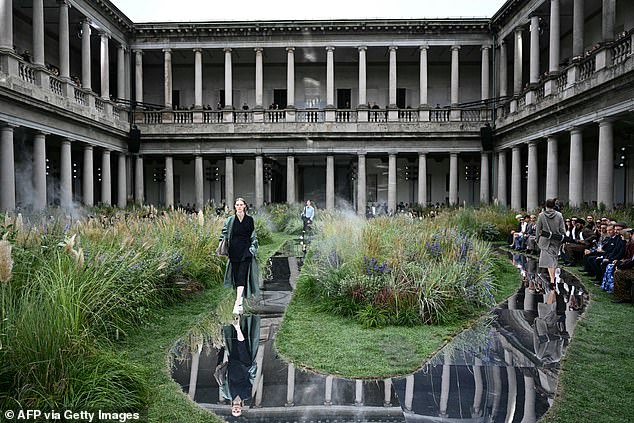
x: 549, y: 221
x: 245, y: 106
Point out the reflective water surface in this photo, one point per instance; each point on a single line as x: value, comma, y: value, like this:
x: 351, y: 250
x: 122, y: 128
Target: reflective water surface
x: 504, y: 369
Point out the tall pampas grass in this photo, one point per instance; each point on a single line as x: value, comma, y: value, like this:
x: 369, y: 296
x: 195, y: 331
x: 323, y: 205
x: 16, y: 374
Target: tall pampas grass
x: 6, y: 262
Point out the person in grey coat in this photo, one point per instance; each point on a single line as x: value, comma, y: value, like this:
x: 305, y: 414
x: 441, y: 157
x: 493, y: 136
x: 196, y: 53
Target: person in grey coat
x: 549, y: 221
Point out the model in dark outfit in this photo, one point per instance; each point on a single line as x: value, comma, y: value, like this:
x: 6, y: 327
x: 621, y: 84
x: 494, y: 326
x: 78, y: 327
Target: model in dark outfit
x: 239, y: 253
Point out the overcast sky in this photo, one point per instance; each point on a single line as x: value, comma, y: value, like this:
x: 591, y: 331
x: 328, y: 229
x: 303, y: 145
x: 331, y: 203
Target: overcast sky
x: 247, y: 10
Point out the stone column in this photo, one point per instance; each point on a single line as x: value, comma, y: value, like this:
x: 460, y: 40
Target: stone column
x: 578, y: 19
x: 290, y: 180
x: 479, y: 386
x: 121, y: 80
x: 198, y: 78
x: 229, y: 180
x: 445, y: 384
x: 517, y: 62
x: 66, y: 175
x: 392, y: 77
x: 105, y: 67
x: 259, y: 76
x: 39, y: 170
x: 422, y: 179
x: 455, y: 75
x: 529, y: 399
x: 387, y: 392
x: 38, y: 33
x: 330, y: 76
x: 534, y: 62
x: 532, y: 199
x: 6, y: 25
x: 169, y: 182
x: 516, y: 179
x: 193, y: 371
x: 259, y: 181
x: 575, y: 182
x: 409, y: 392
x: 362, y: 188
x: 64, y: 40
x: 138, y: 75
x: 85, y: 55
x: 502, y: 178
x: 167, y: 77
x: 228, y: 80
x: 423, y: 100
x: 122, y: 197
x: 139, y: 174
x: 553, y: 57
x: 485, y: 195
x: 511, y: 380
x: 552, y: 170
x: 605, y: 184
x: 485, y: 72
x: 87, y: 182
x: 328, y: 391
x: 330, y: 182
x: 199, y: 182
x: 7, y: 168
x: 391, y: 184
x: 453, y: 179
x: 290, y: 76
x: 363, y: 101
x: 358, y: 392
x: 503, y: 70
x: 106, y: 178
x: 608, y: 18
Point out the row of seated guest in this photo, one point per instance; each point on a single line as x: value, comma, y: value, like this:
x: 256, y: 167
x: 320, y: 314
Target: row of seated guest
x: 618, y: 274
x: 607, y: 249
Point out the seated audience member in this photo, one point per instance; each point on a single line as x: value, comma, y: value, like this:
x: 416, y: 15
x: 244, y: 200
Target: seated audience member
x: 531, y: 240
x: 610, y: 270
x: 596, y: 247
x: 519, y: 242
x: 573, y: 247
x: 624, y: 273
x: 612, y: 250
x: 512, y: 235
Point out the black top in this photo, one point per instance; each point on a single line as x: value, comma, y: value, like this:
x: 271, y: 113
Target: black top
x: 241, y: 239
x: 238, y: 370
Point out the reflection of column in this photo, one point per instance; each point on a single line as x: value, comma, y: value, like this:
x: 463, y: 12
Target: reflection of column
x: 575, y: 181
x: 229, y: 181
x: 66, y: 175
x: 193, y: 373
x: 362, y: 76
x: 453, y: 179
x: 139, y: 189
x: 228, y: 79
x: 496, y: 392
x: 484, y: 178
x: 502, y: 177
x: 529, y: 400
x: 605, y: 185
x: 516, y: 179
x: 169, y: 182
x: 290, y: 180
x: 362, y: 189
x: 391, y: 184
x: 477, y: 380
x: 87, y: 182
x: 290, y: 386
x: 511, y: 378
x: 259, y: 181
x: 392, y: 77
x: 122, y: 197
x: 330, y: 182
x: 422, y: 179
x: 529, y: 299
x: 444, y: 387
x: 387, y: 393
x: 7, y: 168
x: 199, y: 182
x: 330, y: 76
x: 423, y: 77
x: 358, y: 392
x: 531, y: 183
x: 106, y: 179
x: 290, y: 76
x: 328, y: 393
x: 258, y: 384
x: 571, y: 321
x: 552, y: 171
x: 409, y: 392
x: 39, y: 170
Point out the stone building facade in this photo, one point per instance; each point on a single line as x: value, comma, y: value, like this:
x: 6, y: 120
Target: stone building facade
x: 535, y: 102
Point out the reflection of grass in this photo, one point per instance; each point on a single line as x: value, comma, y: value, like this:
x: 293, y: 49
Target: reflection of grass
x: 596, y: 382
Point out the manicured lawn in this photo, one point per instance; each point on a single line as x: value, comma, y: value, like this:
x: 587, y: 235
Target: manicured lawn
x: 337, y: 345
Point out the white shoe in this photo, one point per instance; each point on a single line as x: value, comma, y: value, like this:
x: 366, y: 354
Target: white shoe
x: 238, y: 309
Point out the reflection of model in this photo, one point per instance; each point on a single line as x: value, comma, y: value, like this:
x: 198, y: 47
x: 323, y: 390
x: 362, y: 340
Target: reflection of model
x: 242, y: 267
x: 241, y: 346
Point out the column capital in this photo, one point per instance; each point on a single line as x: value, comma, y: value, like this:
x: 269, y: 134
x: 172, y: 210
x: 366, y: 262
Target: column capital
x: 227, y: 49
x: 502, y: 43
x: 576, y: 130
x: 86, y: 21
x: 330, y: 48
x: 40, y: 132
x: 7, y: 125
x: 423, y: 47
x: 361, y: 153
x: 64, y: 3
x: 290, y: 49
x: 167, y: 50
x: 258, y: 49
x: 362, y: 48
x: 455, y: 47
x: 485, y: 47
x: 519, y: 28
x: 104, y: 34
x: 532, y: 143
x: 392, y: 48
x: 605, y: 121
x: 422, y: 153
x: 197, y: 50
x: 137, y: 51
x: 88, y: 147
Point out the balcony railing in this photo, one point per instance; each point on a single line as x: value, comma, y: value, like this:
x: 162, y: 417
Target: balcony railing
x: 274, y: 116
x: 587, y: 68
x: 152, y: 117
x: 212, y: 117
x: 243, y: 117
x: 377, y: 115
x: 55, y: 84
x: 183, y: 117
x: 345, y: 116
x: 80, y: 96
x: 26, y: 72
x: 99, y: 104
x: 621, y: 49
x: 561, y: 81
x: 407, y: 115
x: 475, y: 115
x: 439, y: 115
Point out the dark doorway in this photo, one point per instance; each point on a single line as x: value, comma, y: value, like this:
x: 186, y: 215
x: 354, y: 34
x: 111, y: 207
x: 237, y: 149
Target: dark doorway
x: 279, y: 98
x: 401, y: 96
x: 176, y: 99
x: 344, y: 95
x: 221, y: 99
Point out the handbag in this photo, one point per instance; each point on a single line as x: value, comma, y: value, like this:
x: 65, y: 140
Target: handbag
x: 223, y: 248
x: 550, y: 235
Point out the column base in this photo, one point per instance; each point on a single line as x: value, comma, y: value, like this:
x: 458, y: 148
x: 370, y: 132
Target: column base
x: 290, y: 114
x: 9, y: 62
x: 455, y: 115
x: 550, y: 87
x: 392, y: 114
x: 329, y: 114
